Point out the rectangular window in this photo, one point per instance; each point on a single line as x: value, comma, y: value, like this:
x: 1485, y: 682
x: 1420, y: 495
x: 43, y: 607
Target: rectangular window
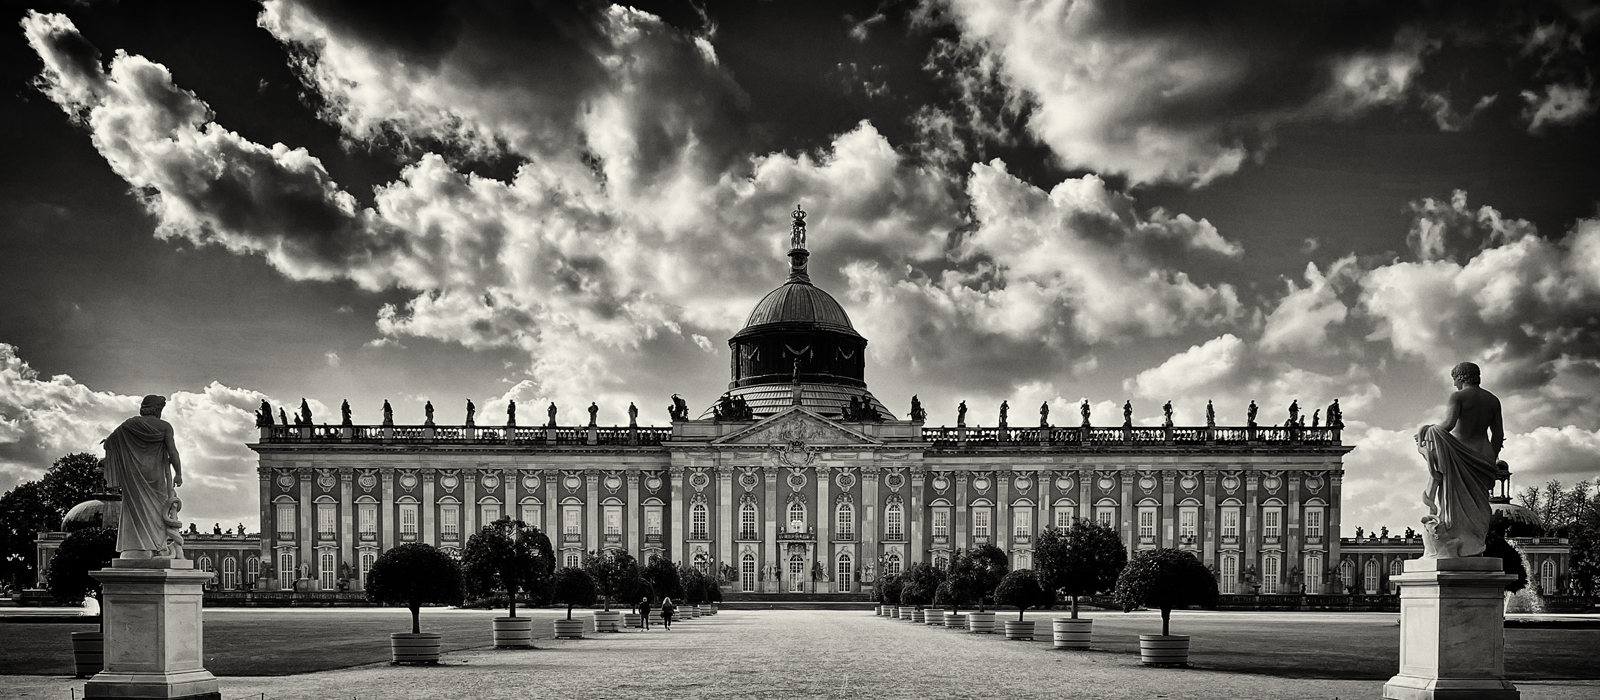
x: 532, y: 515
x: 697, y: 523
x: 327, y: 520
x: 1269, y: 522
x: 980, y: 522
x: 488, y: 513
x: 1064, y: 517
x: 747, y: 522
x: 1023, y: 521
x: 892, y: 525
x: 1230, y: 522
x: 408, y: 518
x: 1147, y: 522
x: 450, y: 521
x: 613, y: 520
x: 652, y: 521
x: 1187, y: 518
x: 1313, y: 522
x: 571, y: 520
x: 941, y: 522
x: 367, y: 515
x: 286, y: 528
x: 1106, y: 516
x: 846, y: 521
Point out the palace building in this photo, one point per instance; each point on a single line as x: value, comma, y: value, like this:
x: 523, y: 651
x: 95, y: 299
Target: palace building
x: 799, y: 479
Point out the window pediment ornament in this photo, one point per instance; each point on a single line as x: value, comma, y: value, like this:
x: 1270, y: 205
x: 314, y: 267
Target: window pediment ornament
x: 981, y: 482
x: 325, y: 479
x: 747, y: 499
x: 612, y: 481
x: 846, y: 479
x: 448, y: 480
x: 367, y: 480
x: 749, y: 479
x: 408, y: 479
x: 1272, y: 480
x: 1314, y: 482
x: 940, y: 482
x: 793, y: 499
x: 530, y: 479
x: 1189, y: 481
x: 1147, y: 481
x: 699, y: 480
x: 1107, y: 481
x: 895, y: 479
x: 844, y: 498
x: 698, y: 499
x: 489, y: 479
x: 1230, y: 482
x: 1064, y: 482
x: 796, y: 478
x: 1022, y: 482
x: 893, y: 500
x: 286, y: 479
x: 572, y: 480
x: 653, y: 481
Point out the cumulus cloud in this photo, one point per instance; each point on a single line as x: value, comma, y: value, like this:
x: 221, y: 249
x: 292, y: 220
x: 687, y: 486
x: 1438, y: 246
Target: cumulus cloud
x: 1187, y: 94
x: 42, y: 419
x: 1302, y: 318
x: 1559, y: 104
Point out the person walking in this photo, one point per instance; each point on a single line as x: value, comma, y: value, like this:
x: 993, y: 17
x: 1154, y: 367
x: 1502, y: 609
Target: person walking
x: 667, y: 609
x: 644, y: 611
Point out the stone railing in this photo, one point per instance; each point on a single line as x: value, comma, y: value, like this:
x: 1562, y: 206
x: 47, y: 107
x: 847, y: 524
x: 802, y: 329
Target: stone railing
x: 1130, y: 435
x: 549, y: 436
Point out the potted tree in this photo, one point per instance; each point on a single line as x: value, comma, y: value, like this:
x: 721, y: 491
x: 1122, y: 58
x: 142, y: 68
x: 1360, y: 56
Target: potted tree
x: 921, y: 581
x: 571, y: 586
x: 956, y: 590
x: 889, y: 587
x: 508, y: 557
x: 1021, y: 588
x: 988, y: 564
x: 612, y: 570
x: 662, y: 575
x: 693, y: 583
x: 1165, y: 579
x: 69, y: 582
x: 414, y: 575
x: 1081, y: 559
x: 635, y: 590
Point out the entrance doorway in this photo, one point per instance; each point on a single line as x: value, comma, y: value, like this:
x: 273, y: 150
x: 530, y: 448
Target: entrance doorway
x: 747, y: 573
x: 797, y: 571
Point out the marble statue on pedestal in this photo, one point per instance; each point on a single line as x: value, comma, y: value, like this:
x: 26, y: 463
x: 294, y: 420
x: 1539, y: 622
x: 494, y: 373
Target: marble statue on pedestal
x: 1462, y: 453
x: 142, y: 458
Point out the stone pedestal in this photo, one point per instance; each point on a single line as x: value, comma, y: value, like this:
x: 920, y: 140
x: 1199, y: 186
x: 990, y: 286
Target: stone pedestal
x: 1452, y: 631
x: 153, y: 637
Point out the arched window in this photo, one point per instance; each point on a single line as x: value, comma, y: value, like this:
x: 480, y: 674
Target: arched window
x: 571, y: 560
x: 230, y: 574
x: 700, y: 561
x: 747, y: 573
x: 1347, y: 576
x: 846, y: 521
x: 326, y: 570
x: 252, y: 569
x: 1269, y: 574
x: 1395, y: 568
x: 1370, y: 585
x: 747, y: 521
x: 797, y: 573
x: 697, y: 522
x: 1313, y: 573
x: 205, y: 563
x: 797, y: 517
x: 891, y: 564
x: 845, y: 572
x: 1547, y: 578
x: 894, y: 527
x: 367, y: 558
x: 1230, y: 573
x: 286, y: 570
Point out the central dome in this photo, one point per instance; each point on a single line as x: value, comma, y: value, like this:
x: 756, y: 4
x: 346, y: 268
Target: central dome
x: 798, y: 303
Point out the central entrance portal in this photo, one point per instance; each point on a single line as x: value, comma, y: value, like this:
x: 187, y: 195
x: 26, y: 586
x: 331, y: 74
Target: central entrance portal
x: 797, y: 570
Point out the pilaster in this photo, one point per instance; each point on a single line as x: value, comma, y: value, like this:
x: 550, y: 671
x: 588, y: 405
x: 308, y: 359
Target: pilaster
x: 469, y: 503
x: 347, y: 530
x: 962, y: 506
x: 387, y: 516
x: 1252, y: 515
x: 915, y: 516
x: 1169, y: 509
x: 1002, y: 511
x: 308, y: 523
x: 591, y: 509
x: 1209, y: 529
x: 678, y: 515
x: 725, y: 511
x: 1126, y: 516
x: 427, y: 511
x: 631, y: 515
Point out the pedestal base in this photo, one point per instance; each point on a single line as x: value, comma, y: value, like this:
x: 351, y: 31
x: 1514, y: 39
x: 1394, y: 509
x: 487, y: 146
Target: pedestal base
x: 153, y: 637
x: 1452, y: 631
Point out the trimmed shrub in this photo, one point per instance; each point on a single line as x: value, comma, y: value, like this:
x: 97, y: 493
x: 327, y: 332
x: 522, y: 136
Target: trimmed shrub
x: 413, y: 575
x: 1082, y: 559
x: 1165, y: 579
x: 572, y: 587
x: 1020, y: 589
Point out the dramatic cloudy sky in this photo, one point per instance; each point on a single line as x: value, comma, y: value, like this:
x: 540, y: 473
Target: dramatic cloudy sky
x: 225, y: 201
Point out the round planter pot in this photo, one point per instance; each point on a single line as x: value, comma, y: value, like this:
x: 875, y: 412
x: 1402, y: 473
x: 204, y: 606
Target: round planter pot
x: 917, y: 616
x: 1164, y: 649
x: 513, y: 632
x: 933, y: 616
x: 1067, y: 633
x: 88, y: 653
x: 569, y: 629
x: 607, y: 621
x: 408, y: 648
x: 632, y: 620
x: 980, y: 622
x: 711, y: 609
x: 877, y: 610
x: 1021, y: 630
x: 894, y: 612
x: 955, y: 621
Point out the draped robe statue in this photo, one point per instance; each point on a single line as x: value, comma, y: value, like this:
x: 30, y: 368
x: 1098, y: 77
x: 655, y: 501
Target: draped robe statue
x: 138, y: 455
x: 1462, y: 455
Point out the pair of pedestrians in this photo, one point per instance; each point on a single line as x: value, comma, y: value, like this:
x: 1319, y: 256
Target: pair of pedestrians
x: 667, y: 610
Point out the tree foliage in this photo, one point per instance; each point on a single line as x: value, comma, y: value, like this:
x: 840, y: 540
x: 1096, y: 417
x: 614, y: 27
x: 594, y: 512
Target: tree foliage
x: 1082, y: 559
x: 507, y: 556
x: 570, y: 587
x: 888, y: 589
x: 662, y: 575
x: 919, y: 584
x: 23, y: 514
x: 414, y: 574
x: 988, y: 565
x: 1574, y: 513
x: 613, y: 572
x: 1020, y: 589
x: 86, y: 550
x: 1165, y: 579
x: 73, y: 479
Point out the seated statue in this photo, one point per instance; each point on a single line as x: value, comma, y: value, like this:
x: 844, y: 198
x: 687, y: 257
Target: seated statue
x: 1462, y: 454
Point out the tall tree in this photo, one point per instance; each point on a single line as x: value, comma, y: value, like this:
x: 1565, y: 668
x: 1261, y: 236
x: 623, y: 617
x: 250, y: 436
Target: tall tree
x: 507, y: 556
x: 613, y: 573
x: 1081, y: 559
x: 73, y: 479
x: 23, y: 514
x: 414, y: 574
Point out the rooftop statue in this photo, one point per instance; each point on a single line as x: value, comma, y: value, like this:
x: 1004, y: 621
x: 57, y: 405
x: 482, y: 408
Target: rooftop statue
x: 1251, y: 413
x: 471, y: 410
x: 1335, y: 415
x: 679, y: 410
x: 633, y: 415
x: 1294, y: 413
x: 550, y: 411
x: 344, y: 412
x: 1461, y: 452
x: 1211, y: 415
x: 797, y: 229
x: 917, y: 414
x: 1004, y: 409
x: 1127, y: 414
x: 427, y: 412
x: 388, y: 413
x: 305, y: 412
x: 264, y: 415
x: 1316, y: 417
x: 1044, y: 415
x: 961, y: 415
x: 283, y: 418
x: 511, y: 412
x: 142, y: 458
x: 1084, y: 409
x: 594, y: 410
x: 1166, y: 411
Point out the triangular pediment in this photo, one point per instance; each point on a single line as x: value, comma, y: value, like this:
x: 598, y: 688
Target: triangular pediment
x: 796, y: 424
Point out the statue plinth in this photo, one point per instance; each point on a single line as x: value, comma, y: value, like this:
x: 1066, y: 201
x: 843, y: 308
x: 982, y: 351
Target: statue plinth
x: 1452, y: 631
x: 153, y: 634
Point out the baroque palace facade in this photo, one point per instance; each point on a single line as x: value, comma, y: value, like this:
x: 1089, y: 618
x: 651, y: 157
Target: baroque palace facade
x: 800, y: 480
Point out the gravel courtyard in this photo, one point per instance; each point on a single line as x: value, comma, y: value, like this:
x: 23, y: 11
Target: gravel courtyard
x: 795, y: 654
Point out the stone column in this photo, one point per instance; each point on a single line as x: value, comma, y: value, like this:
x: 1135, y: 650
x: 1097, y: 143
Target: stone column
x: 1249, y: 536
x: 347, y: 530
x: 1002, y: 513
x: 824, y: 519
x: 631, y: 515
x: 914, y: 515
x: 511, y: 508
x: 1452, y: 631
x: 154, y: 641
x: 1127, y: 529
x: 1086, y: 481
x: 1209, y: 530
x: 963, y: 530
x: 308, y: 523
x: 425, y: 509
x: 1044, y: 484
x: 769, y: 476
x: 387, y: 515
x: 469, y: 503
x: 1169, y: 505
x: 591, y: 509
x: 678, y: 515
x: 268, y: 527
x: 552, y: 507
x: 726, y: 512
x: 869, y: 518
x: 1330, y: 524
x: 1292, y: 543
